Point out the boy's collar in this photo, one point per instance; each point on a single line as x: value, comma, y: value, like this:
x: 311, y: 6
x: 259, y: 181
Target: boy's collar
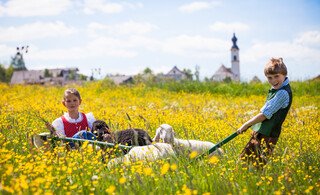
x: 284, y: 83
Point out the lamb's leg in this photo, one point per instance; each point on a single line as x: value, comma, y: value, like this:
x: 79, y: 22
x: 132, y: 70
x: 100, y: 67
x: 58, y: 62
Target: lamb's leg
x: 116, y: 161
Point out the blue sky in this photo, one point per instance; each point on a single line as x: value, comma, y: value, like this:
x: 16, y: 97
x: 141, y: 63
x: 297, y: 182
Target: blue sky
x: 127, y: 36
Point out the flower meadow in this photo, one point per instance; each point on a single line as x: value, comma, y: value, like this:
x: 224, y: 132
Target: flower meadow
x: 25, y: 169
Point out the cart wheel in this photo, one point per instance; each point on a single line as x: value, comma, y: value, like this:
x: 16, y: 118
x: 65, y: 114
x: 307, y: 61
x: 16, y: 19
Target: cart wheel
x: 40, y: 139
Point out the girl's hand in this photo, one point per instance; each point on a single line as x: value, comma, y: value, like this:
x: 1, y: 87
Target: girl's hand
x: 51, y: 128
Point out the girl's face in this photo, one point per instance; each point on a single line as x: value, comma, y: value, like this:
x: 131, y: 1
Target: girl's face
x: 275, y: 80
x: 71, y: 102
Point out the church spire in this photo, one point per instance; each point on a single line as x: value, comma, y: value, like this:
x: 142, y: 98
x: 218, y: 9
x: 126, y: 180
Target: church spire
x: 234, y: 41
x: 235, y: 61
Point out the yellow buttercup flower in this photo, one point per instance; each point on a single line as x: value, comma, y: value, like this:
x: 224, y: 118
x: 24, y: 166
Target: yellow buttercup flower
x: 173, y: 167
x: 85, y: 144
x: 213, y: 160
x: 193, y: 154
x: 165, y: 168
x: 122, y: 180
x: 111, y: 189
x: 147, y: 171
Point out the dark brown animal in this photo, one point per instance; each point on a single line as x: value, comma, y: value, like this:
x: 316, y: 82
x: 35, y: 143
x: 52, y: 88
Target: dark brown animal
x: 130, y: 137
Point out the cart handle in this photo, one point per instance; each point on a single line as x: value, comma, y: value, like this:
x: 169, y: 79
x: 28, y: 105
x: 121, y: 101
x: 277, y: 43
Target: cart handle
x: 218, y: 145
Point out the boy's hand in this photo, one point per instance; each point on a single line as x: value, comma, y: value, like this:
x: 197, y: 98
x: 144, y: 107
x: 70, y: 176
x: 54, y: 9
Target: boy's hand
x: 242, y: 129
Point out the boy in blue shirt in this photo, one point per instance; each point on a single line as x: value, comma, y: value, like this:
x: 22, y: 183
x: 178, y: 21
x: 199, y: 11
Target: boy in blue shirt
x: 267, y: 124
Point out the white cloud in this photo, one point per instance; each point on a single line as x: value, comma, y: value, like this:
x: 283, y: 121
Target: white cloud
x: 148, y: 43
x: 281, y: 49
x: 127, y: 28
x: 309, y: 38
x: 98, y: 48
x: 23, y: 8
x: 32, y: 31
x: 229, y: 27
x: 5, y: 51
x: 93, y: 6
x: 136, y: 5
x: 105, y: 46
x: 197, y: 6
x: 132, y: 46
x: 57, y: 54
x: 120, y: 47
x: 302, y: 61
x: 196, y: 46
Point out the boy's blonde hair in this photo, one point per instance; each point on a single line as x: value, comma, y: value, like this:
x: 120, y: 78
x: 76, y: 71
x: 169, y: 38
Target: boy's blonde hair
x: 71, y: 91
x: 275, y: 66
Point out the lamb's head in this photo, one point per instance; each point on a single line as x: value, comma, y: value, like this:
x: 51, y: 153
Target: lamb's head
x: 165, y: 133
x: 100, y: 128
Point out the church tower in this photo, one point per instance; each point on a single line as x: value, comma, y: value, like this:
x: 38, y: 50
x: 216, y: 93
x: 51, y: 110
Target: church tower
x: 235, y: 62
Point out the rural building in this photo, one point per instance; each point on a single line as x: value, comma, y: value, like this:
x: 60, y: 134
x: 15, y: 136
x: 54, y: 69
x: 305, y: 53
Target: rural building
x: 255, y: 79
x: 176, y: 74
x: 47, y: 76
x: 234, y: 72
x: 121, y: 79
x: 222, y: 73
x: 22, y: 75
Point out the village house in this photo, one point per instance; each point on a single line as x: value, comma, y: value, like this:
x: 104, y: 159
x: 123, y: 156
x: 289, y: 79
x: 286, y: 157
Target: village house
x: 57, y: 76
x: 121, y: 79
x: 176, y: 74
x: 232, y: 73
x: 48, y: 76
x: 255, y: 79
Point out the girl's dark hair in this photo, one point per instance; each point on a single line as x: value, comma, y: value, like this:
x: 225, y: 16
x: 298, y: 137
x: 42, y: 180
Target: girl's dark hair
x: 275, y: 66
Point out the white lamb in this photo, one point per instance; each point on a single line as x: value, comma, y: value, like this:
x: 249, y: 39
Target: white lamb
x: 149, y: 153
x: 166, y: 134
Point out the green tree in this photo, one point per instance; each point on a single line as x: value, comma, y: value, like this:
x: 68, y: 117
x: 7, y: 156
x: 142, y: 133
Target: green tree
x: 83, y: 77
x: 147, y: 71
x: 9, y: 73
x: 146, y: 76
x: 72, y: 75
x: 206, y: 79
x: 5, y: 73
x: 3, y: 76
x: 227, y: 80
x: 188, y: 73
x: 47, y: 73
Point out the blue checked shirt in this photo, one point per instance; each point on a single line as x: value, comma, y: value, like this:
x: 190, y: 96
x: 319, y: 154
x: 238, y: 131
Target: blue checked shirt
x: 280, y: 100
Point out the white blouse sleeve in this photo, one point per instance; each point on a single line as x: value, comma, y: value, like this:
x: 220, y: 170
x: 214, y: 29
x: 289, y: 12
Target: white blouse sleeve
x: 59, y: 127
x: 90, y: 119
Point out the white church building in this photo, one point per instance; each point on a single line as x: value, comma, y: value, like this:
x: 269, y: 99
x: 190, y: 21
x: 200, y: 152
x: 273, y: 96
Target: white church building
x: 234, y: 72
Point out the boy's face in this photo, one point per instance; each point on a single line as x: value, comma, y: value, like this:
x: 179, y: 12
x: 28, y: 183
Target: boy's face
x: 275, y: 80
x: 71, y: 102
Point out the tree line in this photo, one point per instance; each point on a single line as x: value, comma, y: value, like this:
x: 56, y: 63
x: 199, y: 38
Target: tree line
x: 6, y: 73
